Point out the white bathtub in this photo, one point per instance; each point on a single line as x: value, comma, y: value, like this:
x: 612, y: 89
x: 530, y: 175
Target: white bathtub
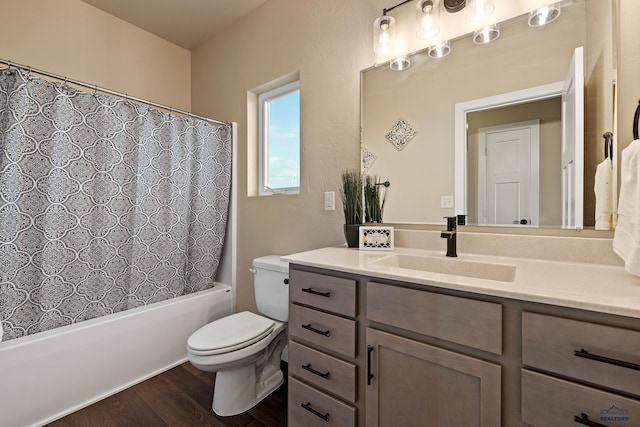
x: 51, y: 374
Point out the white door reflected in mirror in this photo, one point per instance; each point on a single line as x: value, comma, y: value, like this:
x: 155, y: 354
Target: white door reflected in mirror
x: 508, y: 174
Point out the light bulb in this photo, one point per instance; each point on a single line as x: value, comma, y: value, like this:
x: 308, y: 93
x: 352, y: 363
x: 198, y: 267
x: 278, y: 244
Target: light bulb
x: 480, y: 9
x: 383, y: 34
x: 440, y: 50
x: 544, y: 15
x: 486, y: 34
x: 427, y: 16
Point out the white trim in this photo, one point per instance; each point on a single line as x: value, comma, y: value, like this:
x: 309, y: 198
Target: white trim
x: 233, y: 213
x: 461, y: 109
x: 263, y: 122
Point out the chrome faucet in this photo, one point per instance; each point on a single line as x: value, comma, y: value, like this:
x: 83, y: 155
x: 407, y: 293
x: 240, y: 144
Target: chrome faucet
x: 450, y: 235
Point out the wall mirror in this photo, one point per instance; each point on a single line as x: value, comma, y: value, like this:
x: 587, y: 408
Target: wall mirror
x: 409, y: 117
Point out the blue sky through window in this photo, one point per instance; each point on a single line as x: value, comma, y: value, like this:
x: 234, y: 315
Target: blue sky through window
x: 284, y: 141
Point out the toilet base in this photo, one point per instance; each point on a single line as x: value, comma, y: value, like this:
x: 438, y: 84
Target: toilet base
x: 240, y: 389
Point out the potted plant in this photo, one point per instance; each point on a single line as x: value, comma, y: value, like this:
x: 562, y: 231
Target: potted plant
x: 352, y: 205
x: 373, y: 206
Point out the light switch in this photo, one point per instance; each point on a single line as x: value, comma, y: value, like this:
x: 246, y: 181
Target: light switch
x: 329, y: 201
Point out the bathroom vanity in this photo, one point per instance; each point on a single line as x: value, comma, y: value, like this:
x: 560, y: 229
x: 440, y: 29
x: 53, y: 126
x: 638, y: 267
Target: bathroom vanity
x: 382, y: 339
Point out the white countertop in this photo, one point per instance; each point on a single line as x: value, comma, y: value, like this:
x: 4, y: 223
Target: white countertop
x: 600, y: 288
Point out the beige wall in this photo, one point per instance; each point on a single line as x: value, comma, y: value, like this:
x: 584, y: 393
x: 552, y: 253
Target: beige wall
x: 329, y: 42
x: 71, y: 38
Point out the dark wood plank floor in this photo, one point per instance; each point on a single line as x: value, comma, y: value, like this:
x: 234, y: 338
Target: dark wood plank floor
x: 180, y: 397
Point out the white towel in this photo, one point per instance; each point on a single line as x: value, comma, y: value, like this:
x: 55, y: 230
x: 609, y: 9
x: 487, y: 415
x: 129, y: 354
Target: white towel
x: 626, y: 240
x: 604, y: 195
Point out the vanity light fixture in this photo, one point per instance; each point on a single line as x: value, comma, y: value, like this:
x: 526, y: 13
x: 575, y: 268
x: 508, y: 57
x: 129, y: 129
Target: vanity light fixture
x: 544, y: 15
x: 440, y: 50
x: 384, y: 31
x: 479, y: 9
x: 486, y: 35
x: 427, y: 18
x: 400, y: 63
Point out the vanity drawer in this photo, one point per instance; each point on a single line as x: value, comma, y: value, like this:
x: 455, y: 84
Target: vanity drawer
x: 329, y: 293
x: 310, y: 408
x: 476, y: 324
x: 326, y: 330
x: 322, y: 370
x: 555, y: 344
x: 548, y: 401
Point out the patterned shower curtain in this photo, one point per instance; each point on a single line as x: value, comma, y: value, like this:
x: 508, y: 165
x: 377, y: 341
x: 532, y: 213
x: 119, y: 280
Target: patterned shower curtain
x: 105, y: 205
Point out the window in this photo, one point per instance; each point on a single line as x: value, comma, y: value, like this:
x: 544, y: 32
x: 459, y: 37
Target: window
x: 279, y: 140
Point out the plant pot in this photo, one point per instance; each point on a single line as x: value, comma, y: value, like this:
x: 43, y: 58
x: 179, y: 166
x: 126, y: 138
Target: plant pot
x: 352, y: 235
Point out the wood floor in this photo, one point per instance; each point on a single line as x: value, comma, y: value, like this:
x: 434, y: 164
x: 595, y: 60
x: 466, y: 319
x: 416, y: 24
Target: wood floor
x: 180, y: 397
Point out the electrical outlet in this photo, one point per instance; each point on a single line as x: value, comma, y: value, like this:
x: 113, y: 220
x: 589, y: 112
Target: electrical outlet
x: 446, y: 202
x: 329, y: 201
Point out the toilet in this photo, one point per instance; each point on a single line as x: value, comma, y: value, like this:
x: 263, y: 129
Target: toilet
x: 244, y: 349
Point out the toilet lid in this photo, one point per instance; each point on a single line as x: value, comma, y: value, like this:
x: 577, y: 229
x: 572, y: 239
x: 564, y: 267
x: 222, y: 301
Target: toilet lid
x: 230, y: 333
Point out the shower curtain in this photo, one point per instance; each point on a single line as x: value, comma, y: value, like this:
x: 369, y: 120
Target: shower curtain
x: 105, y: 205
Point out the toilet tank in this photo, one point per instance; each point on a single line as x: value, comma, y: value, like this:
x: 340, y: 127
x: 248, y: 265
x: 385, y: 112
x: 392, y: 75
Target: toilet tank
x: 271, y: 285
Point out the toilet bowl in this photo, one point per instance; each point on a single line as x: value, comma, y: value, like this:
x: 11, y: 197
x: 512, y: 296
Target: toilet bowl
x: 244, y: 349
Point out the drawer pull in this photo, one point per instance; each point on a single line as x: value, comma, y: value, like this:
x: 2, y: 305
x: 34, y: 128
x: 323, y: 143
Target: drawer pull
x: 585, y: 354
x: 308, y: 407
x: 584, y: 419
x: 308, y: 367
x: 317, y: 331
x: 311, y: 291
x: 369, y: 374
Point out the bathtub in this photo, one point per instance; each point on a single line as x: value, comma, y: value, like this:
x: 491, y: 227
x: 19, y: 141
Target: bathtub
x: 48, y: 375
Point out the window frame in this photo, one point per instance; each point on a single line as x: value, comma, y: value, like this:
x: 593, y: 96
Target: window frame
x: 263, y: 138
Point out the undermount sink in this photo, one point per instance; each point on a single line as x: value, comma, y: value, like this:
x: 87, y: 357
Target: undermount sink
x: 452, y: 266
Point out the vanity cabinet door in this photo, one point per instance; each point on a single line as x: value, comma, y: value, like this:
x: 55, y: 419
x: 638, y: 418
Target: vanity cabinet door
x: 410, y: 383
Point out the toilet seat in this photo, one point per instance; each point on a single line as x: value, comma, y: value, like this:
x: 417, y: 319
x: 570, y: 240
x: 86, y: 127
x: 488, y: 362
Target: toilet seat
x: 229, y: 334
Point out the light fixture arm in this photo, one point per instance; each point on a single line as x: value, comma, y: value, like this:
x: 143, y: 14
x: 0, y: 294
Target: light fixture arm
x: 384, y: 11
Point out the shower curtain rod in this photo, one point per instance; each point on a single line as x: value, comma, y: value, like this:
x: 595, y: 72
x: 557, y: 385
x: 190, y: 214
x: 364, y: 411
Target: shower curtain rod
x: 108, y: 91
